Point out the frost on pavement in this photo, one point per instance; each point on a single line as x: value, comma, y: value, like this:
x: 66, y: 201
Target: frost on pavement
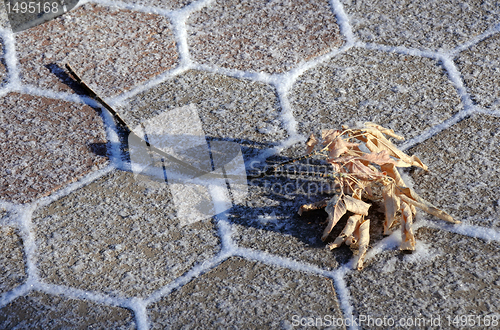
x: 118, y: 235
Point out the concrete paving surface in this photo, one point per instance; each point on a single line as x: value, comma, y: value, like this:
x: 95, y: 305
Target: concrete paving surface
x: 99, y: 230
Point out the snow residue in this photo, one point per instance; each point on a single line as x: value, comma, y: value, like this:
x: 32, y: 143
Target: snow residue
x: 422, y: 253
x: 23, y: 216
x: 139, y: 307
x: 475, y: 40
x: 114, y: 152
x: 12, y: 295
x: 196, y: 271
x: 134, y: 7
x: 74, y: 186
x: 10, y: 58
x: 343, y: 22
x: 342, y: 292
x: 271, y: 259
x: 489, y: 112
x: 487, y: 234
x: 456, y: 79
x: 32, y: 90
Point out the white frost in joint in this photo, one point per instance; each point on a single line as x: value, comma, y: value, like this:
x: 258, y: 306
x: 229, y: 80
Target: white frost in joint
x: 456, y: 79
x: 274, y: 260
x: 82, y: 182
x: 113, y: 140
x: 477, y: 39
x: 343, y: 21
x: 134, y: 7
x: 22, y: 216
x: 338, y: 277
x: 486, y: 234
x: 10, y: 58
x: 180, y: 281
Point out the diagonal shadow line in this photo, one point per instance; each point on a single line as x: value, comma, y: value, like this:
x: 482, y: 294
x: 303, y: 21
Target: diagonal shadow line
x: 66, y: 79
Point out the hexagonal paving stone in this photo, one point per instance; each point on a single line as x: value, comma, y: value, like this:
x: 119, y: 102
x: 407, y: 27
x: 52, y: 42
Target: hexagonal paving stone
x: 12, y: 272
x: 246, y: 295
x: 449, y: 275
x: 42, y: 311
x: 112, y: 49
x: 464, y: 174
x: 480, y: 69
x: 119, y: 236
x: 421, y: 24
x: 171, y: 4
x: 268, y: 221
x: 45, y: 144
x: 228, y: 107
x: 406, y: 93
x: 262, y: 35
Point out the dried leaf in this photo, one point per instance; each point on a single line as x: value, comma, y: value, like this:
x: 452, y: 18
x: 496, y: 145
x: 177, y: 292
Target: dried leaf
x: 356, y: 173
x: 362, y: 172
x: 376, y: 142
x: 335, y: 209
x: 349, y: 228
x: 313, y: 206
x: 392, y: 172
x: 392, y: 204
x: 429, y: 208
x: 385, y: 131
x: 364, y: 240
x: 311, y: 143
x: 381, y: 158
x: 356, y: 206
x: 329, y: 135
x: 407, y: 237
x: 339, y: 147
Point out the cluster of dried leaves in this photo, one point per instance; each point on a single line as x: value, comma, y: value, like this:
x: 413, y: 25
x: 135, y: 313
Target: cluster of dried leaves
x: 371, y: 176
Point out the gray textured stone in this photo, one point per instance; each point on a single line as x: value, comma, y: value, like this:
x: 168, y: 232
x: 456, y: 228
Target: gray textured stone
x: 449, y: 275
x: 112, y: 49
x: 241, y: 294
x: 480, y: 68
x: 43, y: 311
x: 171, y: 4
x: 12, y: 272
x: 421, y: 24
x: 262, y: 35
x: 406, y: 93
x: 118, y: 236
x: 46, y: 144
x: 229, y: 108
x: 463, y: 171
